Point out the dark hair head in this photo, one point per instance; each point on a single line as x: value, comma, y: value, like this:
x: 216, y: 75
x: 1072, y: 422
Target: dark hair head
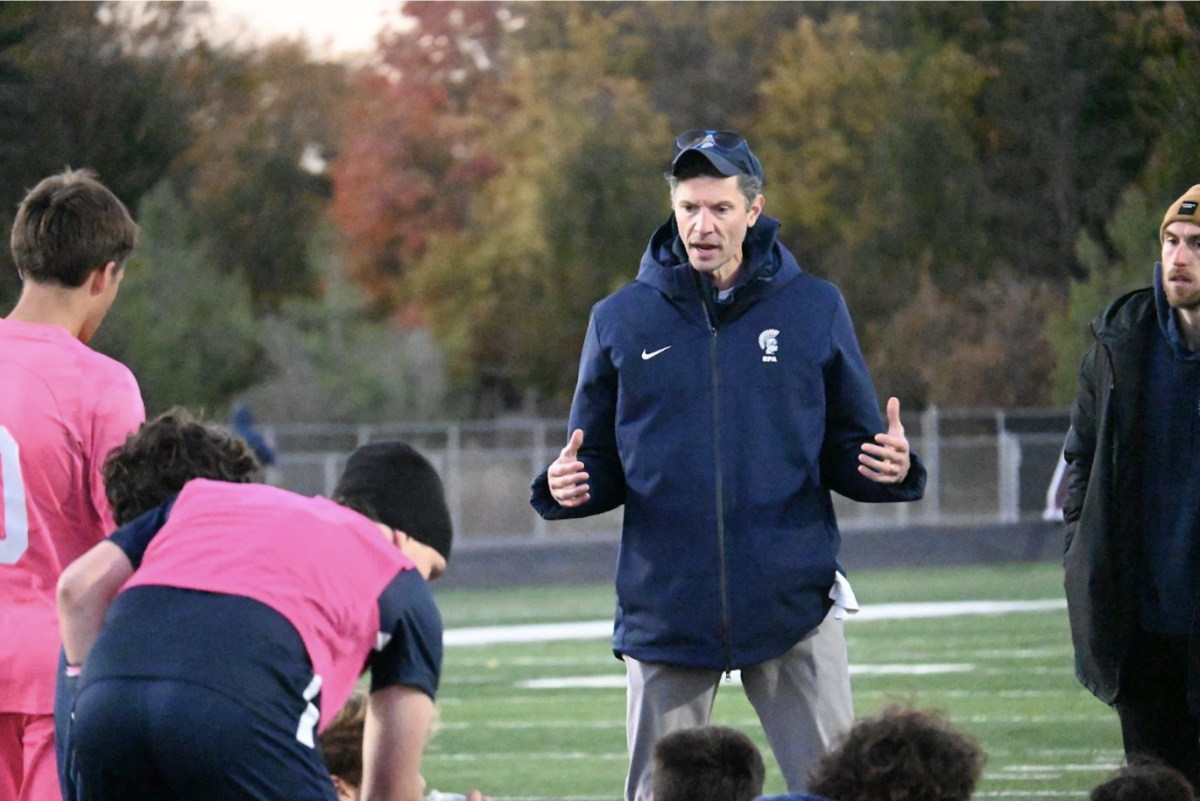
x: 1144, y: 779
x: 709, y: 763
x: 167, y: 452
x: 342, y: 741
x: 694, y: 165
x: 901, y: 755
x: 391, y: 483
x: 69, y: 225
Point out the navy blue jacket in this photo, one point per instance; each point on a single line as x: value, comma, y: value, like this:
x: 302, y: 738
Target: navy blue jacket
x: 723, y: 442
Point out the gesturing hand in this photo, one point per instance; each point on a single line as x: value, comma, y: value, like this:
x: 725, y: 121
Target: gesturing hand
x: 566, y: 477
x: 887, y: 462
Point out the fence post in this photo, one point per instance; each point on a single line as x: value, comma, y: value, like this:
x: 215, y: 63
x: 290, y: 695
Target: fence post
x: 271, y: 473
x: 1008, y: 449
x: 931, y: 446
x: 454, y: 474
x: 330, y: 469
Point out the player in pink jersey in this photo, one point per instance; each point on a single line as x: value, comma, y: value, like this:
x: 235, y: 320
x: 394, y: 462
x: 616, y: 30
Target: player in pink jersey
x: 63, y: 407
x: 220, y: 630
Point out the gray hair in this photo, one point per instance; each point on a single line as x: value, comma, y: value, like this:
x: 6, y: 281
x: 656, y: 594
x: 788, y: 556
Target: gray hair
x: 748, y: 185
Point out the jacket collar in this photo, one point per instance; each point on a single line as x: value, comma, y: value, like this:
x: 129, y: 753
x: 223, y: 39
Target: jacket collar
x: 665, y: 265
x: 1168, y: 323
x: 1138, y: 314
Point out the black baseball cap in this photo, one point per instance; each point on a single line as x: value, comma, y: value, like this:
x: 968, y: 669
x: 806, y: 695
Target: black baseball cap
x: 725, y: 150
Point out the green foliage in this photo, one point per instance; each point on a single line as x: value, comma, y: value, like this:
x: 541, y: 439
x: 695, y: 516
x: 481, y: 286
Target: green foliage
x: 1060, y: 130
x: 263, y: 120
x: 184, y: 328
x: 871, y: 169
x: 563, y: 223
x: 1133, y: 233
x: 86, y: 85
x: 869, y: 160
x: 326, y: 360
x: 1169, y: 35
x: 497, y: 170
x: 700, y: 62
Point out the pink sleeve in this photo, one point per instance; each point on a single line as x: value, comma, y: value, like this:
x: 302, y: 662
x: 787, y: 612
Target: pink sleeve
x: 117, y: 415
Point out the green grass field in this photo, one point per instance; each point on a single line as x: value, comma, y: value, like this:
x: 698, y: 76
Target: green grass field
x: 1007, y: 679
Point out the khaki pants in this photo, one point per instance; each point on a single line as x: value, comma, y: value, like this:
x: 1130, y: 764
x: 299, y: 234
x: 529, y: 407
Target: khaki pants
x: 802, y: 698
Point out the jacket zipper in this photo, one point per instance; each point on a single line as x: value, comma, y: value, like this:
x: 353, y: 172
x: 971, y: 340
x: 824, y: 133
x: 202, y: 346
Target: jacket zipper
x: 724, y: 586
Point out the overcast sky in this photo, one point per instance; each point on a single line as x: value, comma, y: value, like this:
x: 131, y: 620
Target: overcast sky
x: 333, y: 27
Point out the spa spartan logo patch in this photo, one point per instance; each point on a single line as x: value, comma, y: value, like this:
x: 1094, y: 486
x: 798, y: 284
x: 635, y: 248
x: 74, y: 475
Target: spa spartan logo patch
x: 769, y: 343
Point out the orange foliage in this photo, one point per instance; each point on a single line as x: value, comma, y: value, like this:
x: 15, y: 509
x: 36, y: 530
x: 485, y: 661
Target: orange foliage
x: 413, y: 152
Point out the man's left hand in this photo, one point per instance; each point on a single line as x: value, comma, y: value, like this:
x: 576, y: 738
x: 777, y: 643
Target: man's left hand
x: 887, y: 462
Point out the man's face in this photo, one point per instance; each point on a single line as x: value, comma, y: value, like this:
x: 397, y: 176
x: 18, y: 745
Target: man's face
x: 712, y: 218
x: 1181, y: 265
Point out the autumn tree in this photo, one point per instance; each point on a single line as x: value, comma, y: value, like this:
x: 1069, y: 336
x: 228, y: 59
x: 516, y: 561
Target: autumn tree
x: 264, y: 123
x: 415, y: 148
x: 869, y: 164
x: 1060, y: 123
x: 1120, y: 258
x: 1133, y: 235
x: 1169, y: 37
x: 980, y: 345
x: 87, y: 84
x: 185, y: 329
x: 700, y: 62
x: 561, y: 225
x: 326, y: 360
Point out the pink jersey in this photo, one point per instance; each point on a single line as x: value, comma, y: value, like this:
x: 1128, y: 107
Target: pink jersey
x: 63, y: 407
x: 318, y: 564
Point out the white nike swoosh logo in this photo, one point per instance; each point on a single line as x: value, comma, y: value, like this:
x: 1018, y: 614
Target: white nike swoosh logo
x: 655, y: 353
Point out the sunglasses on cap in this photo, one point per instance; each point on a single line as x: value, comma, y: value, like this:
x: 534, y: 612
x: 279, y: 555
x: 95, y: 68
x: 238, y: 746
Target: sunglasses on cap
x: 695, y: 138
x: 725, y: 150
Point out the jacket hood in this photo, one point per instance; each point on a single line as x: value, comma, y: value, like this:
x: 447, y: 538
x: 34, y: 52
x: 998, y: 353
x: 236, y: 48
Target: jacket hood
x: 665, y: 263
x: 1167, y: 323
x: 1146, y: 306
x: 1122, y: 315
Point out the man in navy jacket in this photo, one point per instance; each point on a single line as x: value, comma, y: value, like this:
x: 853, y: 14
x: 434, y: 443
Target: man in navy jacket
x: 721, y: 397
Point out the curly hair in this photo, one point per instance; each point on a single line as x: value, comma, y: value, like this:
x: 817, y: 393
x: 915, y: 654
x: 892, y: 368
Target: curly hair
x: 1144, y: 779
x: 901, y: 755
x: 167, y: 452
x: 342, y: 741
x: 707, y: 763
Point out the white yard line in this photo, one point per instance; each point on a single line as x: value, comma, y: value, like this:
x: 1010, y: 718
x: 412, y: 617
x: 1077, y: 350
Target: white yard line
x: 602, y: 629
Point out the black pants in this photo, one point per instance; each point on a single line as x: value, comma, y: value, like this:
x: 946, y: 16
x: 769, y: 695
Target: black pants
x: 1153, y: 705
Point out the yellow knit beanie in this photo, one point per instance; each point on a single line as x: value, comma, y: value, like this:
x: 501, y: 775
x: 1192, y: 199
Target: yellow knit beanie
x: 1184, y: 209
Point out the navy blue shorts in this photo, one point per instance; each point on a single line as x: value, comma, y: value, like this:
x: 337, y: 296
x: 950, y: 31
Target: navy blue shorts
x: 138, y: 739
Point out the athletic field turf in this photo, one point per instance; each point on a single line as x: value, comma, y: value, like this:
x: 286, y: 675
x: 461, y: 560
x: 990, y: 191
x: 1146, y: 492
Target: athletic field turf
x: 544, y: 719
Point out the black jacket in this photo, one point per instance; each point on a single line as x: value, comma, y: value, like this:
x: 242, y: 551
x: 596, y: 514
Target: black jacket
x: 1103, y: 549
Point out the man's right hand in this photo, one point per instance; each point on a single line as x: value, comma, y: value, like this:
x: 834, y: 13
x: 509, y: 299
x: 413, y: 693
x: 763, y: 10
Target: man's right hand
x: 568, y: 482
